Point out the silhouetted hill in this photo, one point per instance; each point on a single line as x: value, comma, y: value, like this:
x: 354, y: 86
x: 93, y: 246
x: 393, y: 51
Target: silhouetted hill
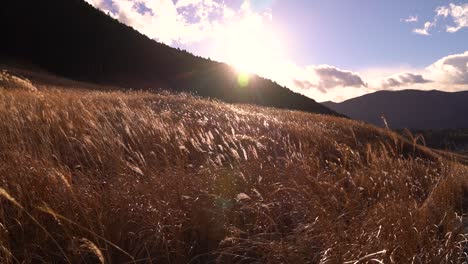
x: 408, y: 109
x: 73, y: 39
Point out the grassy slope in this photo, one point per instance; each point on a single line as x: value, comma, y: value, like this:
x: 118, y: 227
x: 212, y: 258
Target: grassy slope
x: 88, y: 175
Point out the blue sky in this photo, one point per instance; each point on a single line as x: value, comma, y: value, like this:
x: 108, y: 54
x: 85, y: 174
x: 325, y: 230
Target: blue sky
x: 365, y: 33
x: 328, y: 50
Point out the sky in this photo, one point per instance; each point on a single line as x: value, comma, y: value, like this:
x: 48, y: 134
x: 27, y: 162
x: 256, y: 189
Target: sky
x: 327, y: 50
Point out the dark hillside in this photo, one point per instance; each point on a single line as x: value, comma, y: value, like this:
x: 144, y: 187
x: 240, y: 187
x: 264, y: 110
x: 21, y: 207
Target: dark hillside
x: 412, y: 109
x: 73, y: 39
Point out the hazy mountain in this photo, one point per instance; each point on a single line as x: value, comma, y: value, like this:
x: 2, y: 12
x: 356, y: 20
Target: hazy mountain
x: 73, y: 39
x: 408, y: 109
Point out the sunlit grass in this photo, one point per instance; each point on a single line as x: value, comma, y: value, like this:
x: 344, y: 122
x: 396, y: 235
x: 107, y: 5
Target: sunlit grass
x: 90, y: 177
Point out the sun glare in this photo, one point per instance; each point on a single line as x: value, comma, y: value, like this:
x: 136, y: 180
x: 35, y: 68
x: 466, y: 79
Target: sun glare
x: 250, y: 47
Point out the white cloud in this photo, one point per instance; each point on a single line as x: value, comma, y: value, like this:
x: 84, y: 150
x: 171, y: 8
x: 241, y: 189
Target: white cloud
x: 424, y: 30
x: 449, y: 74
x: 182, y: 22
x: 452, y: 69
x: 410, y: 19
x: 95, y: 3
x: 98, y: 4
x: 185, y: 3
x: 457, y: 13
x: 442, y: 11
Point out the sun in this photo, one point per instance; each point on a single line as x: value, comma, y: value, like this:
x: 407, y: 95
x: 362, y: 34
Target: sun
x: 252, y: 48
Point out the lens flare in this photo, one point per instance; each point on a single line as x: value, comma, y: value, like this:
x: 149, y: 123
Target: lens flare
x: 243, y: 79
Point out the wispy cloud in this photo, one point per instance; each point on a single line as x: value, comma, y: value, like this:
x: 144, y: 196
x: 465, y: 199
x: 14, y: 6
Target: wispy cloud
x: 454, y: 16
x: 410, y: 19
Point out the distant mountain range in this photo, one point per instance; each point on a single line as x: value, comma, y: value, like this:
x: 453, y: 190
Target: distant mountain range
x: 412, y: 109
x: 72, y: 39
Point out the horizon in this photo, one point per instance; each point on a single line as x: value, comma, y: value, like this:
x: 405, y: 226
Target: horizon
x: 403, y: 90
x: 353, y: 56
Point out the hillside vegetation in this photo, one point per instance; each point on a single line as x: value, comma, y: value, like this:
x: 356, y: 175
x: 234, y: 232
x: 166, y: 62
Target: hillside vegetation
x: 137, y: 177
x: 73, y: 39
x: 455, y: 140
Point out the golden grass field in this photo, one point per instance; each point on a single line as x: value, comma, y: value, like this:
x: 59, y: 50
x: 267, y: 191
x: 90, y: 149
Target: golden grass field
x: 139, y: 177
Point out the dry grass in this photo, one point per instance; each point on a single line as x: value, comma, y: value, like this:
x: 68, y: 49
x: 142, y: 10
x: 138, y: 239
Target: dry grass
x: 92, y: 177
